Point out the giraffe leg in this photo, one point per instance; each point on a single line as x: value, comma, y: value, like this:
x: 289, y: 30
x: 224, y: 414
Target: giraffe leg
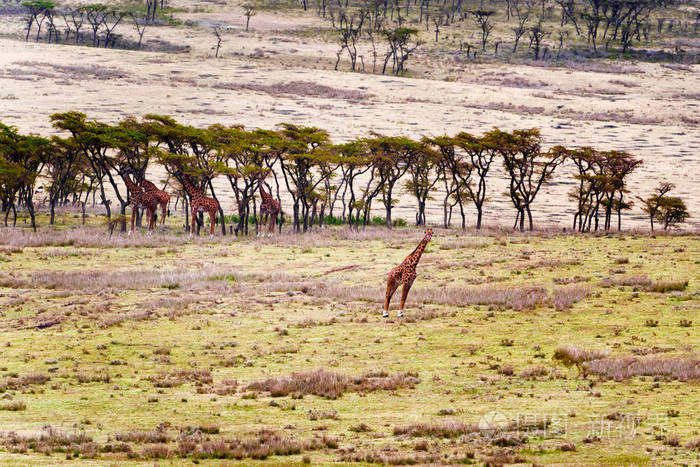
x: 404, y: 293
x: 133, y: 219
x: 212, y: 220
x: 151, y: 220
x: 391, y: 285
x: 273, y: 218
x: 163, y: 211
x: 193, y: 212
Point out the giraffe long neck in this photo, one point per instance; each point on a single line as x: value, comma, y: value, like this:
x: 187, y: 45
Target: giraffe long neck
x: 131, y: 186
x: 418, y: 252
x: 189, y: 186
x: 263, y: 194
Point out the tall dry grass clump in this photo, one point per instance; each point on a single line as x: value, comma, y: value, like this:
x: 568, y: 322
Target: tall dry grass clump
x: 565, y: 296
x: 622, y: 368
x: 574, y: 355
x: 332, y: 385
x: 449, y: 429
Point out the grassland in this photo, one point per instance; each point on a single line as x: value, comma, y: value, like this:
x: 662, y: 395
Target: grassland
x: 138, y: 348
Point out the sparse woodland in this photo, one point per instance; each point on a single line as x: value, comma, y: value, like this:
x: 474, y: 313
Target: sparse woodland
x: 327, y: 183
x: 541, y: 30
x: 380, y: 36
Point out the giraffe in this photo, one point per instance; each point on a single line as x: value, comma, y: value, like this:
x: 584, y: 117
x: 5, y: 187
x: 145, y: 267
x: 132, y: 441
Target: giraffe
x: 198, y: 202
x: 268, y: 206
x: 162, y: 196
x: 405, y: 273
x: 139, y: 199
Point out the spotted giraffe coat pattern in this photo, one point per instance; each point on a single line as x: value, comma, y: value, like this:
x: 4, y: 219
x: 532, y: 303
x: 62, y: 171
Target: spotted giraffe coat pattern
x: 162, y: 196
x: 404, y: 274
x: 269, y: 205
x: 199, y: 202
x: 139, y: 199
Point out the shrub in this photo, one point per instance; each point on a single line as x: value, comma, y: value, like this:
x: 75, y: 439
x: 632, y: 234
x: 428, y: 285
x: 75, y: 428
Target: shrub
x: 622, y: 368
x: 451, y: 429
x: 332, y: 385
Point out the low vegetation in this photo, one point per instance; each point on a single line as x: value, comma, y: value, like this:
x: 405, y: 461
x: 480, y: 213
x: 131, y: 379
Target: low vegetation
x: 235, y: 348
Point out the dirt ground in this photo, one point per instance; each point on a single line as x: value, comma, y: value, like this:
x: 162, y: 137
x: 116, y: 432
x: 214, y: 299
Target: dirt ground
x: 647, y: 109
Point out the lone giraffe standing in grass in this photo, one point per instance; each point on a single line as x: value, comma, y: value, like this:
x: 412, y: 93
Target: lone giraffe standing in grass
x: 405, y: 273
x: 268, y: 206
x: 162, y: 196
x: 139, y: 199
x: 199, y: 202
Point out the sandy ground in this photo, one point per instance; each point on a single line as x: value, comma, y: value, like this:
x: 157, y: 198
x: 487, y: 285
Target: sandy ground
x: 647, y: 109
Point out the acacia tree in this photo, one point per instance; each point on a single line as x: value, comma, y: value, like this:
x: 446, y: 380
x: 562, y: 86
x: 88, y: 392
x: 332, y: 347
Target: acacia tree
x: 481, y: 153
x: 455, y: 168
x: 21, y: 160
x: 652, y: 204
x: 672, y: 210
x: 399, y: 48
x: 39, y: 11
x: 191, y: 152
x: 304, y: 149
x: 422, y: 177
x: 484, y: 18
x: 527, y: 166
x: 618, y: 166
x: 392, y: 156
x: 96, y: 140
x: 349, y: 27
x: 356, y: 162
x: 62, y: 170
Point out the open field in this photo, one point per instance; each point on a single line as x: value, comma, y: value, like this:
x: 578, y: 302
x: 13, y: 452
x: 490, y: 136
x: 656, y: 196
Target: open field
x: 515, y: 348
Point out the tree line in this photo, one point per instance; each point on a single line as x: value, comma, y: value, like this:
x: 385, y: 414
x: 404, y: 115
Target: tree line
x: 91, y: 23
x: 545, y: 26
x: 326, y: 182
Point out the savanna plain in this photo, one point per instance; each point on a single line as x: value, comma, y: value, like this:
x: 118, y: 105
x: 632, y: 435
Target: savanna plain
x: 541, y: 347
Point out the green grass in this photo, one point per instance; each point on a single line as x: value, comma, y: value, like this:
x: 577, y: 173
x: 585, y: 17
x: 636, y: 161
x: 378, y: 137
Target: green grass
x: 248, y: 309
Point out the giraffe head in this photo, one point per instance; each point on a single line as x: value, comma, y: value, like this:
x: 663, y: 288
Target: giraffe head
x: 429, y: 233
x: 125, y: 171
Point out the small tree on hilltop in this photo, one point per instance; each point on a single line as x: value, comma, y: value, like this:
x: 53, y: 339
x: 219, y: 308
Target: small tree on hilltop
x: 672, y: 210
x: 484, y: 19
x: 656, y: 203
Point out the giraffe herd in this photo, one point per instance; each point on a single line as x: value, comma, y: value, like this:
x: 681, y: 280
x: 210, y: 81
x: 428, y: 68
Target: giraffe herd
x: 148, y: 196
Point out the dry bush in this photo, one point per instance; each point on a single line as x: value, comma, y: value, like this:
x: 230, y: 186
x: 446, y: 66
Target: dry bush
x: 450, y: 429
x: 323, y: 415
x: 93, y: 377
x: 502, y: 457
x: 332, y: 385
x: 546, y: 263
x: 693, y: 444
x: 627, y: 84
x: 90, y: 237
x: 623, y: 368
x: 361, y: 428
x: 157, y: 435
x: 13, y: 406
x: 509, y: 439
x: 50, y: 439
x: 385, y: 457
x: 464, y: 242
x: 573, y: 355
x: 534, y: 371
x: 261, y: 445
x: 565, y: 296
x: 643, y: 282
x: 156, y: 452
x: 299, y: 88
x: 20, y: 382
x: 179, y: 377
